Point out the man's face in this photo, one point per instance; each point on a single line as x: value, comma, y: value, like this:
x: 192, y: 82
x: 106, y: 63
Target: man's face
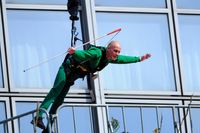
x: 113, y: 51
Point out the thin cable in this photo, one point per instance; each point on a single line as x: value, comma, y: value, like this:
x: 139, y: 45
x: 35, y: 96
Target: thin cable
x: 34, y: 66
x: 113, y: 37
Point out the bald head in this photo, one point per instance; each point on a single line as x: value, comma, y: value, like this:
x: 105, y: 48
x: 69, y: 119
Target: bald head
x: 114, y: 44
x: 113, y: 50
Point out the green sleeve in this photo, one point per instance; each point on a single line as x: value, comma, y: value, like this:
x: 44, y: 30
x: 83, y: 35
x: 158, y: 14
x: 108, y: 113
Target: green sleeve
x: 82, y: 55
x: 122, y: 59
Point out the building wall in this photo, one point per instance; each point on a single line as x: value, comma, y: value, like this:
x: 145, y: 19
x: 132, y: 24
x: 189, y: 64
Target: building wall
x: 141, y: 96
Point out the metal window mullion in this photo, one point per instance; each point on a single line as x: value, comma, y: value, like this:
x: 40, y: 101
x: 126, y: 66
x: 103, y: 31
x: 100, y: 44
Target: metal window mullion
x: 124, y: 120
x: 3, y: 41
x: 91, y: 121
x: 189, y: 109
x: 157, y: 117
x: 141, y: 116
x: 5, y: 127
x: 175, y: 122
x: 19, y: 125
x: 108, y: 122
x: 74, y: 119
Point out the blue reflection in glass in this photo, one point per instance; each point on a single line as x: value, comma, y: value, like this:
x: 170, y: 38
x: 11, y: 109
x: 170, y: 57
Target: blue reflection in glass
x: 189, y: 36
x: 2, y: 116
x: 65, y: 117
x: 166, y: 120
x: 77, y: 119
x: 37, y: 2
x: 144, y: 119
x: 149, y: 119
x: 141, y: 33
x: 188, y: 4
x: 132, y: 3
x: 133, y: 120
x: 195, y: 120
x: 116, y: 113
x: 81, y: 122
x: 36, y: 36
x: 1, y: 74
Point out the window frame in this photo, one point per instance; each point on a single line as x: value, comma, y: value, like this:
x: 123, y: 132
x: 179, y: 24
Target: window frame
x: 168, y: 12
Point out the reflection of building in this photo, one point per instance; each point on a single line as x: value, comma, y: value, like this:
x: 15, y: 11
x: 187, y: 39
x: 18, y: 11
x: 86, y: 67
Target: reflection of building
x: 143, y: 97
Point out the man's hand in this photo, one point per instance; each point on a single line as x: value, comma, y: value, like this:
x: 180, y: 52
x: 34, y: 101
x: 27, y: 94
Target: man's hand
x: 144, y: 57
x: 71, y: 50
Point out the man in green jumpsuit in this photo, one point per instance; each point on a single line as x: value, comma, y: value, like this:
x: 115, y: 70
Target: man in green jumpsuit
x: 78, y: 64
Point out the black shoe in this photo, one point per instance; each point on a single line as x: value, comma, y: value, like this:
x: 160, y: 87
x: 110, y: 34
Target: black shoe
x: 38, y: 122
x: 45, y: 130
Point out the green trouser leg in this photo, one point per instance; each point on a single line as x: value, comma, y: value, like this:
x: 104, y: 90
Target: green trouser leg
x: 60, y: 99
x: 56, y: 91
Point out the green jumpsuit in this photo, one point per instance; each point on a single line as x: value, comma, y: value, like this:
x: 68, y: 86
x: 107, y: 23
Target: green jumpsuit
x: 78, y: 65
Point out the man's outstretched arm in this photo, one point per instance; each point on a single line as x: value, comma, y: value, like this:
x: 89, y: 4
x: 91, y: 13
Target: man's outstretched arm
x: 123, y: 59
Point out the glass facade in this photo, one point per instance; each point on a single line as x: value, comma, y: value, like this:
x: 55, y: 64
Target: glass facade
x: 143, y: 119
x: 160, y: 94
x: 135, y: 3
x: 3, y: 115
x: 36, y: 36
x: 187, y: 4
x: 189, y: 29
x: 137, y: 39
x: 53, y: 2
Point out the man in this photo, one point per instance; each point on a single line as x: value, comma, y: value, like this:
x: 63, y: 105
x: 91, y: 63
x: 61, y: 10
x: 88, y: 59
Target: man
x: 78, y: 64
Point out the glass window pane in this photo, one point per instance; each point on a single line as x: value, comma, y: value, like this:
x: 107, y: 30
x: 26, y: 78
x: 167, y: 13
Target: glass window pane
x: 143, y: 119
x: 132, y: 3
x: 36, y: 36
x: 1, y: 74
x: 65, y: 117
x: 25, y: 125
x: 189, y: 36
x: 149, y: 119
x: 2, y: 116
x: 1, y: 44
x: 190, y: 4
x: 116, y: 113
x: 37, y: 2
x: 195, y: 120
x: 77, y: 117
x: 141, y: 33
x: 166, y: 121
x: 133, y: 120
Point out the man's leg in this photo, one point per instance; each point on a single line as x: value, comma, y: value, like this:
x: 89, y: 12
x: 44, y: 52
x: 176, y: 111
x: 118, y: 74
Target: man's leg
x: 60, y: 98
x: 59, y: 84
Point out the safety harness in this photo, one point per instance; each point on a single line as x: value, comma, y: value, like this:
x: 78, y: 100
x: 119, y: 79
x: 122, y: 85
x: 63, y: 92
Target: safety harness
x: 81, y: 68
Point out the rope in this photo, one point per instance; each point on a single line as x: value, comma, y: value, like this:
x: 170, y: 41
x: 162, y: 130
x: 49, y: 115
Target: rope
x: 47, y: 60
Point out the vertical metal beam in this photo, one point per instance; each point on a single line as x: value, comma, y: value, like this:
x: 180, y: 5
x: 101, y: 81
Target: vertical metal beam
x: 88, y: 20
x: 124, y: 119
x: 141, y: 117
x: 157, y: 117
x: 74, y: 119
x: 189, y: 109
x: 109, y: 129
x: 91, y: 121
x: 5, y: 127
x: 19, y: 125
x: 176, y: 129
